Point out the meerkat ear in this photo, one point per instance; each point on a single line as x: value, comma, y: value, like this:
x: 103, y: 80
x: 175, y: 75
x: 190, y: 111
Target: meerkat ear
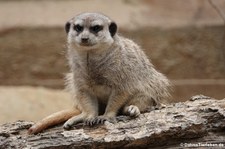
x: 67, y: 27
x: 112, y: 28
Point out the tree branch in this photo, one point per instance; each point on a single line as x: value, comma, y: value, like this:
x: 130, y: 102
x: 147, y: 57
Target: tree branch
x: 217, y: 10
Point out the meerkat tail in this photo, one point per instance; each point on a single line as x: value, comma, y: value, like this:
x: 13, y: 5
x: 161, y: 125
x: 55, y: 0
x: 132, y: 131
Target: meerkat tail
x: 53, y: 119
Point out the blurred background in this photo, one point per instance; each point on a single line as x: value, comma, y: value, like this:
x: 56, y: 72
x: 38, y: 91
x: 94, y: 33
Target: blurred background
x: 185, y: 40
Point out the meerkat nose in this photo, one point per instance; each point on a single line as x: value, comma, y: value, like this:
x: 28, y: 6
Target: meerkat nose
x: 84, y: 40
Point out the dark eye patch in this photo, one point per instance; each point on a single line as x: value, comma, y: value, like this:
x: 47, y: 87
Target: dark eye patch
x: 78, y: 28
x: 96, y: 28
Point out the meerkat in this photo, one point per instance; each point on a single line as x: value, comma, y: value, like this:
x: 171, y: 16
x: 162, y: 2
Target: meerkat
x: 106, y: 69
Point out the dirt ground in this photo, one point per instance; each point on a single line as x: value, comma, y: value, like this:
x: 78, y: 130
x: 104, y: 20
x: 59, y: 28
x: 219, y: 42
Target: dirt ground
x: 187, y: 47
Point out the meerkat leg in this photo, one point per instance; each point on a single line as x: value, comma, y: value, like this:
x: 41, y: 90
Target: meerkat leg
x: 138, y: 104
x: 89, y: 110
x: 115, y: 102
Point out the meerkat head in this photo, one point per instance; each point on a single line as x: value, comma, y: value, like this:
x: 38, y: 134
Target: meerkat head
x: 89, y: 31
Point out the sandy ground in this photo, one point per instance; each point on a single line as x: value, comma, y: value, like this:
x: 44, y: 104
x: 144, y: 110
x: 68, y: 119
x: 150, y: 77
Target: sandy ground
x: 31, y: 103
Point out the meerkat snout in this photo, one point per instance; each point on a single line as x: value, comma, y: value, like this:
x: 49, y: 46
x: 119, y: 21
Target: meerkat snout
x: 84, y: 40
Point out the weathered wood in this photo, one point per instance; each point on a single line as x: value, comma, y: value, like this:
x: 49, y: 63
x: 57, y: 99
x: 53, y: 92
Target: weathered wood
x: 200, y: 120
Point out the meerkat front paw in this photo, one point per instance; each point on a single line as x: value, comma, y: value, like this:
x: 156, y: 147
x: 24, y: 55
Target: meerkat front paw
x: 89, y: 121
x: 132, y: 111
x: 101, y: 119
x: 74, y: 120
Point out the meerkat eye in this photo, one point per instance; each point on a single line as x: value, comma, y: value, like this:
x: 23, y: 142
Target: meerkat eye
x: 96, y: 28
x: 78, y: 28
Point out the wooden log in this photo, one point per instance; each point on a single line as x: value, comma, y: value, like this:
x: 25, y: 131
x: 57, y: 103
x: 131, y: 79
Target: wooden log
x: 197, y: 122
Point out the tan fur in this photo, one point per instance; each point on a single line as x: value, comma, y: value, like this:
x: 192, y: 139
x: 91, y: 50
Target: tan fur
x: 108, y: 69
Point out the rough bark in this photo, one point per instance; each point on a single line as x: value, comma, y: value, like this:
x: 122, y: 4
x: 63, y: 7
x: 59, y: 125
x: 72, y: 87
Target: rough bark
x: 199, y: 120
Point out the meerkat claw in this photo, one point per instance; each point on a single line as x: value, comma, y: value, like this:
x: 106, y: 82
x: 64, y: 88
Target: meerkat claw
x: 67, y: 126
x: 102, y: 119
x: 89, y: 122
